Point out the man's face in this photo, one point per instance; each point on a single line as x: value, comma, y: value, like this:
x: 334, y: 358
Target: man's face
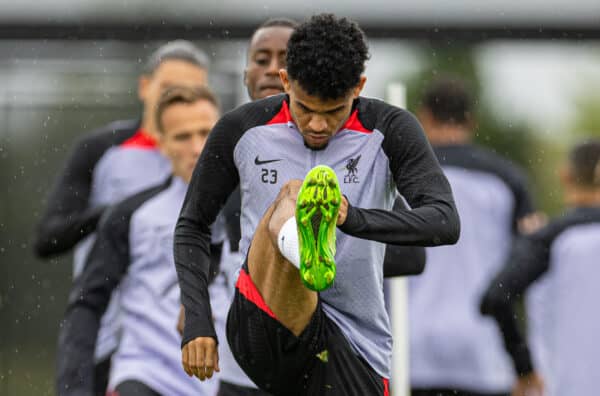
x: 169, y: 73
x: 266, y: 56
x: 185, y: 130
x: 318, y: 120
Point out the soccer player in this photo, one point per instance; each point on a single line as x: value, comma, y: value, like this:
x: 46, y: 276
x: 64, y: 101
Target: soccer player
x: 266, y: 56
x: 453, y: 349
x: 134, y: 250
x: 556, y: 269
x: 105, y: 165
x: 110, y: 164
x: 287, y: 337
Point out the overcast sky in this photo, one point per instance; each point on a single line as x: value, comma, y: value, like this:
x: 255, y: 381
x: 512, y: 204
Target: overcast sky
x: 433, y: 12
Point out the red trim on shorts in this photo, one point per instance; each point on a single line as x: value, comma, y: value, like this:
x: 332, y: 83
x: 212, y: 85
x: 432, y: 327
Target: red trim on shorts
x: 283, y: 117
x: 386, y: 387
x: 141, y: 140
x: 112, y: 393
x: 354, y: 124
x: 248, y: 289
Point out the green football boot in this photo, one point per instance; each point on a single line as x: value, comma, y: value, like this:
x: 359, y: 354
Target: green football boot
x: 317, y: 210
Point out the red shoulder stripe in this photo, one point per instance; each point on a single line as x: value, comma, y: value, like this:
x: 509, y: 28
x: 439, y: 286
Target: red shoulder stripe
x: 283, y: 116
x: 354, y: 124
x: 141, y: 140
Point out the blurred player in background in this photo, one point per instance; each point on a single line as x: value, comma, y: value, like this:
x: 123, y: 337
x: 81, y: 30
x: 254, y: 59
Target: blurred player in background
x: 133, y: 251
x: 109, y: 164
x: 557, y: 270
x: 454, y: 350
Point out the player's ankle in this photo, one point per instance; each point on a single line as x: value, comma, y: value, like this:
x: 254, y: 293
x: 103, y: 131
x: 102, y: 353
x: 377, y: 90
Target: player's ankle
x: 287, y: 242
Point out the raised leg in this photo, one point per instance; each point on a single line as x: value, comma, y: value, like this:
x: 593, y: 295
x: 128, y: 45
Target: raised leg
x: 291, y: 293
x: 277, y: 280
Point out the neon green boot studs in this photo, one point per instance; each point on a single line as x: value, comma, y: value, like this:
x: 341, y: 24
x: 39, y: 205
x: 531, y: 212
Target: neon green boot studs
x: 317, y: 210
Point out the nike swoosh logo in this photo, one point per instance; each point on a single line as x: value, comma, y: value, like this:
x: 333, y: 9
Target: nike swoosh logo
x: 259, y: 162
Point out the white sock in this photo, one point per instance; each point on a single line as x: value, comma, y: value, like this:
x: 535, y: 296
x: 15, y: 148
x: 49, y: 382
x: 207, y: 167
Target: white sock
x: 287, y: 240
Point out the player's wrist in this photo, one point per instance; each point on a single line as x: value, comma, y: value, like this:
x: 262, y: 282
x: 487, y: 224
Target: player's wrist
x: 352, y: 221
x: 196, y: 327
x: 522, y: 360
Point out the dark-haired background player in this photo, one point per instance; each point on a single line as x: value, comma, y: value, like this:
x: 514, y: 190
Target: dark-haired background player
x: 453, y: 349
x: 557, y: 270
x: 109, y: 164
x: 287, y: 338
x: 133, y: 251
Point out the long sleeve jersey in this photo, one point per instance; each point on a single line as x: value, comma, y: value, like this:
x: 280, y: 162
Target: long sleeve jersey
x: 379, y: 150
x: 104, y: 167
x: 451, y: 343
x: 556, y: 270
x: 90, y: 180
x: 133, y: 251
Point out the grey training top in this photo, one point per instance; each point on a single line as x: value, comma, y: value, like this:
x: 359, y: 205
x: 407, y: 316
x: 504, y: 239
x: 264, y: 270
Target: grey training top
x: 379, y: 149
x: 556, y: 269
x: 451, y: 344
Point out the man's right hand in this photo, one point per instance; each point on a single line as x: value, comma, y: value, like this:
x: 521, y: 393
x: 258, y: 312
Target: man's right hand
x: 200, y: 357
x: 529, y: 385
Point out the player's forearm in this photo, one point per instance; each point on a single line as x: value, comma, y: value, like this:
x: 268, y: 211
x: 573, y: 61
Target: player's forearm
x: 60, y: 232
x: 193, y: 264
x: 76, y: 345
x: 428, y: 225
x: 88, y: 301
x: 515, y: 343
x: 499, y: 301
x: 403, y: 260
x: 216, y: 250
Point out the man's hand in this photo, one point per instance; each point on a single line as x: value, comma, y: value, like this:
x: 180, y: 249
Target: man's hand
x: 200, y: 357
x: 532, y: 222
x: 343, y: 211
x: 529, y: 385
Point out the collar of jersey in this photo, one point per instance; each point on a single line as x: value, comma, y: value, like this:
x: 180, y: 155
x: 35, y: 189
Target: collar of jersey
x: 352, y: 123
x: 140, y: 139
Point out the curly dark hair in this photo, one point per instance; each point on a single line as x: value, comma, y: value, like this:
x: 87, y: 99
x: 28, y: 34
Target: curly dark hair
x: 327, y: 55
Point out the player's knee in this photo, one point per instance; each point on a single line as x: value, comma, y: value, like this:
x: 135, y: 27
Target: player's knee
x: 291, y: 189
x: 294, y: 186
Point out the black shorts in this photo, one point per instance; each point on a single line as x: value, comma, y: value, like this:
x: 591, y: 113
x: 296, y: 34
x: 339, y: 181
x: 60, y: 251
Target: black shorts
x: 133, y: 388
x: 229, y: 389
x: 318, y: 362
